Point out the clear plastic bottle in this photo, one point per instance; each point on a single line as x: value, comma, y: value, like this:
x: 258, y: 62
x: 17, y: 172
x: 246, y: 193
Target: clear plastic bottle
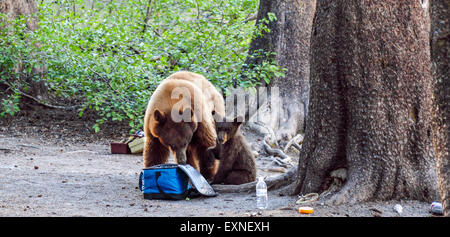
x: 261, y: 194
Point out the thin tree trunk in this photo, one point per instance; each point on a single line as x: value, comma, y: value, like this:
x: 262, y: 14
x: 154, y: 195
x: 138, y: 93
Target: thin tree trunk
x: 289, y: 39
x: 26, y: 8
x: 370, y: 102
x: 147, y: 16
x: 15, y: 8
x: 440, y: 44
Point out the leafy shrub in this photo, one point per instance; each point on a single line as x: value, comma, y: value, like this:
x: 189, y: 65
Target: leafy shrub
x: 16, y: 62
x: 111, y: 55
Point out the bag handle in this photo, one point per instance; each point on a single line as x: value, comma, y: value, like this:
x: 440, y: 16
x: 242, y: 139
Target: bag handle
x: 157, y: 175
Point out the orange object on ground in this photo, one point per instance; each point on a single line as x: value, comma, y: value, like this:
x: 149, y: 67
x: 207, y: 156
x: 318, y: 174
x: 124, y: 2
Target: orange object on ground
x: 306, y: 210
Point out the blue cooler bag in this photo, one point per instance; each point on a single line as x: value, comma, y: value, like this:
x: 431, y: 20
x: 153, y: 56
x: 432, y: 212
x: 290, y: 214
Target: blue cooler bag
x: 173, y: 181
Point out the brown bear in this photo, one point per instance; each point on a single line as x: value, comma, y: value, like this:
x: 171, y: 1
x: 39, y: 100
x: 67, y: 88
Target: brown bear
x: 179, y: 119
x: 237, y: 164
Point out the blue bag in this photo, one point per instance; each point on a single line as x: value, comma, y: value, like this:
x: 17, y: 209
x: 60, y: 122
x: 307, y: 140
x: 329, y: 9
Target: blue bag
x: 173, y: 181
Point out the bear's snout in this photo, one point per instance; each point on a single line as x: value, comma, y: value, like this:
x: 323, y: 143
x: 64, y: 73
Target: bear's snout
x: 180, y: 155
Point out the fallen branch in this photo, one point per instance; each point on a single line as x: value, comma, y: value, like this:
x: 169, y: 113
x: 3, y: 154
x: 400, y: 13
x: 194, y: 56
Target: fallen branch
x: 30, y: 146
x: 68, y: 108
x: 271, y: 182
x: 276, y: 169
x: 79, y: 151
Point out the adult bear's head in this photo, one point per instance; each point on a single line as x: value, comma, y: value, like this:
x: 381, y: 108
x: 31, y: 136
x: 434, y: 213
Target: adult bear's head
x: 175, y: 132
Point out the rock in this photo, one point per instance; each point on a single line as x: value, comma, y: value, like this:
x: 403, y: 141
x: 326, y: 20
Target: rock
x: 398, y: 208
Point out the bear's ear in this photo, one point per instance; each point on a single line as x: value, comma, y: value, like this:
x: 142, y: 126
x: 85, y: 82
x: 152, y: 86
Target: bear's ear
x: 159, y: 116
x: 187, y: 114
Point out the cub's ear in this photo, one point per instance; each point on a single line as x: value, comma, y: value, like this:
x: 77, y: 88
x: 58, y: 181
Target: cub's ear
x: 216, y: 116
x: 238, y: 120
x: 159, y: 116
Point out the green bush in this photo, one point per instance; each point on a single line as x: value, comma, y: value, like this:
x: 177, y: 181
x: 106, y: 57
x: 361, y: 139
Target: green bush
x: 107, y: 58
x: 16, y: 63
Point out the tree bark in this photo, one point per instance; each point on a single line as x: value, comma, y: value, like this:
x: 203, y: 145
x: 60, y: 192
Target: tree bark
x: 289, y: 39
x: 26, y: 8
x: 440, y: 43
x: 370, y: 102
x: 15, y: 8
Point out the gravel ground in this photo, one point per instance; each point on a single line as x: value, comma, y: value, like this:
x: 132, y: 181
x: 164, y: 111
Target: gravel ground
x: 52, y: 165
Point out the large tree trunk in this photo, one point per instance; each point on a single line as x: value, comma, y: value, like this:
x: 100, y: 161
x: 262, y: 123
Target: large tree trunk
x: 370, y: 102
x: 440, y: 43
x: 289, y: 39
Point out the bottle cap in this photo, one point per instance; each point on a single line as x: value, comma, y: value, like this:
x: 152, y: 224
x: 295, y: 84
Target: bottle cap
x: 306, y: 210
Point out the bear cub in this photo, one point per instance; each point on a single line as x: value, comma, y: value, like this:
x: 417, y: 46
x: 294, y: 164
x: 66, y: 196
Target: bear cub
x: 237, y: 164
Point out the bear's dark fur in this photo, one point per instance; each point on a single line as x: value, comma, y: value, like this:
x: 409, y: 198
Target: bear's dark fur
x: 237, y: 164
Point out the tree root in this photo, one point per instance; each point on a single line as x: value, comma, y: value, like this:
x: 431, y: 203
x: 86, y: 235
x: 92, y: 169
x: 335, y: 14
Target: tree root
x: 271, y: 182
x: 264, y: 131
x: 294, y: 142
x: 274, y: 151
x: 311, y: 197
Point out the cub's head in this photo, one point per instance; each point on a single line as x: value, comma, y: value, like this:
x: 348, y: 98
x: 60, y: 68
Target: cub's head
x: 226, y: 129
x: 173, y: 133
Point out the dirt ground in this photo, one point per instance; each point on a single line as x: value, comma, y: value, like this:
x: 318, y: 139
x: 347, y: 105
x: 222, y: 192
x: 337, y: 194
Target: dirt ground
x: 52, y: 165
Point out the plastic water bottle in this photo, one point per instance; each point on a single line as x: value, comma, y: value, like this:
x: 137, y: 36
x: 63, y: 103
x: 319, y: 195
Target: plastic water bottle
x: 261, y: 194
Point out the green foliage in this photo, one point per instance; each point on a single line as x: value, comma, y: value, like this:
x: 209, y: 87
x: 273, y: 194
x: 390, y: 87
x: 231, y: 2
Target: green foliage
x: 109, y: 59
x: 16, y: 62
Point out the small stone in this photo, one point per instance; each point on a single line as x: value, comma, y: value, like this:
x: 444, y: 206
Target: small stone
x: 36, y: 167
x: 398, y: 208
